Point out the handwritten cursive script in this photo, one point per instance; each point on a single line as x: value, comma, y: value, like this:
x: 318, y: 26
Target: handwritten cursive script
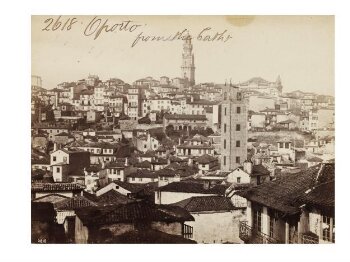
x: 96, y: 27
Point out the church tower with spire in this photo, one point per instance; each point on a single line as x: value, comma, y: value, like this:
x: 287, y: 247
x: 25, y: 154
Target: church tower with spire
x: 188, y: 68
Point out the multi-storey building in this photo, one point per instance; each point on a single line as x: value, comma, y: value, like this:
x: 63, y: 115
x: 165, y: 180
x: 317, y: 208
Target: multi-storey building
x: 258, y: 84
x: 133, y: 102
x: 116, y: 104
x: 99, y: 97
x: 233, y: 129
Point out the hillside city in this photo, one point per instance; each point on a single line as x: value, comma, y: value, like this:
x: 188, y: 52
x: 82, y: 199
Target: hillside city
x: 170, y: 160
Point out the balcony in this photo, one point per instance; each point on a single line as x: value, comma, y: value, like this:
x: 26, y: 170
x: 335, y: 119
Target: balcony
x: 251, y: 236
x: 309, y: 239
x: 187, y: 231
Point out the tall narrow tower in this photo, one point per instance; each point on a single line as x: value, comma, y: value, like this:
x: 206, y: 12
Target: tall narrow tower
x: 233, y: 128
x: 188, y: 67
x: 278, y: 84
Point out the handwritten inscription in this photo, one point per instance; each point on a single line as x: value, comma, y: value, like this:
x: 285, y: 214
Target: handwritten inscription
x: 55, y: 24
x: 96, y: 27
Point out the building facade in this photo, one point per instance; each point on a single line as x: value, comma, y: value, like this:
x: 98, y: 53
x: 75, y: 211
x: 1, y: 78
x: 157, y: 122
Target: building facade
x: 233, y: 129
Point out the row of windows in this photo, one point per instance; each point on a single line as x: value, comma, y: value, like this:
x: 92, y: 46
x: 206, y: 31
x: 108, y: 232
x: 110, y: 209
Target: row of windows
x: 115, y: 171
x: 140, y: 179
x: 54, y: 159
x: 238, y: 143
x: 238, y: 110
x: 239, y: 96
x: 154, y: 146
x: 238, y: 160
x: 238, y: 127
x: 286, y: 145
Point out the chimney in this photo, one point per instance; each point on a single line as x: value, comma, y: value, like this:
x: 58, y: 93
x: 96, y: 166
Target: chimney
x: 179, y: 140
x: 103, y: 164
x: 54, y: 147
x: 247, y: 167
x: 126, y: 161
x: 169, y: 161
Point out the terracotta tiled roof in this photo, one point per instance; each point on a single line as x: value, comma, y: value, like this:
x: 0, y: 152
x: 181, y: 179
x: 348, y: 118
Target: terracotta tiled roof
x: 52, y: 198
x: 149, y: 153
x: 165, y: 172
x: 186, y: 117
x: 143, y: 164
x: 161, y: 149
x: 42, y: 161
x: 51, y: 187
x: 203, y: 102
x: 206, y: 159
x: 314, y: 159
x: 206, y: 203
x: 142, y: 173
x: 115, y: 165
x: 159, y: 161
x: 193, y: 187
x: 260, y: 170
x: 73, y: 203
x: 177, y: 159
x: 112, y: 197
x: 321, y: 196
x: 133, y: 187
x: 284, y: 193
x: 132, y: 212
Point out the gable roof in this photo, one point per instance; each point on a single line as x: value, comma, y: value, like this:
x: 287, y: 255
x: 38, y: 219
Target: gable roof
x: 51, y: 198
x: 143, y: 173
x: 321, y: 196
x: 132, y: 187
x: 74, y: 202
x: 206, y: 203
x: 58, y: 186
x: 260, y: 170
x: 284, y: 193
x: 193, y: 187
x: 143, y: 164
x: 112, y: 197
x: 120, y: 165
x: 133, y: 212
x: 159, y: 161
x: 206, y: 159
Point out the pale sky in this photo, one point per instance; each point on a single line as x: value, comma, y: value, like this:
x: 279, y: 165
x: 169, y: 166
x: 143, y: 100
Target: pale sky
x: 298, y: 48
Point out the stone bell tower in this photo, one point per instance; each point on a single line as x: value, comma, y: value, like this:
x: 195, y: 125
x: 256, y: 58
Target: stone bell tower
x: 188, y: 68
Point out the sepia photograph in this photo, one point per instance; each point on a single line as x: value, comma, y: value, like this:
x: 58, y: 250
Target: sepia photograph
x: 182, y: 129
